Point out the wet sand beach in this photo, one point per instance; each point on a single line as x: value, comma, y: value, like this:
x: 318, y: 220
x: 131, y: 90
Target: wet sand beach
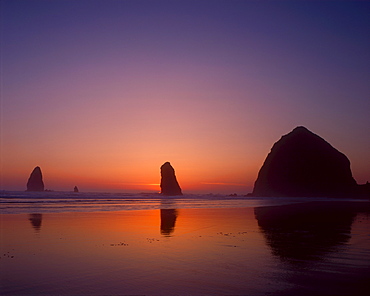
x: 315, y: 248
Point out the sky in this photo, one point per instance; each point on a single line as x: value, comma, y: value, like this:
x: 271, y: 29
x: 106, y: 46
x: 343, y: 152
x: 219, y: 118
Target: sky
x: 100, y: 94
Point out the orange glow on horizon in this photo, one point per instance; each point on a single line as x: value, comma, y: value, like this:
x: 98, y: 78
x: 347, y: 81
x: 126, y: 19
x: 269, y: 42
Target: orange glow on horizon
x: 112, y: 98
x: 142, y: 176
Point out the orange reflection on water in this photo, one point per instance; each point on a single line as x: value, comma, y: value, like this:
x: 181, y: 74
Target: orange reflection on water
x: 187, y: 251
x: 128, y: 252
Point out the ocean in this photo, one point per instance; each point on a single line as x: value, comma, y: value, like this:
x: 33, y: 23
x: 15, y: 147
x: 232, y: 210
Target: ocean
x: 16, y: 202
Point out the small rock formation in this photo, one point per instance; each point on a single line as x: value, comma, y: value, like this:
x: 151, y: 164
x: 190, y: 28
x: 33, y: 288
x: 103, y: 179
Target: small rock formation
x: 35, y: 182
x: 75, y: 189
x: 303, y: 164
x: 169, y: 184
x: 364, y: 190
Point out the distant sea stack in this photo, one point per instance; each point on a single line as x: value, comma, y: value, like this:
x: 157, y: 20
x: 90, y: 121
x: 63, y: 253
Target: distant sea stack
x: 35, y: 182
x: 169, y: 184
x: 75, y: 189
x: 303, y: 164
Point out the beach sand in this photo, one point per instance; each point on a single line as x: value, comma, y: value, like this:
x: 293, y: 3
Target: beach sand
x: 319, y: 248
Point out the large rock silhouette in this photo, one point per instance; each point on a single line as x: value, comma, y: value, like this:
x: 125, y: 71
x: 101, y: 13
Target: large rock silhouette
x: 169, y: 184
x: 35, y: 182
x: 303, y: 164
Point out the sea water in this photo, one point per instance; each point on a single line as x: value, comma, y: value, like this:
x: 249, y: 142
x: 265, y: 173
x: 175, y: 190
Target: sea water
x: 15, y: 202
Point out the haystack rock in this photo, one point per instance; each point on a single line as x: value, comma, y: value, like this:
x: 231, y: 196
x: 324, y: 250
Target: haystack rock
x: 35, y: 182
x: 75, y: 189
x: 169, y: 184
x: 303, y: 164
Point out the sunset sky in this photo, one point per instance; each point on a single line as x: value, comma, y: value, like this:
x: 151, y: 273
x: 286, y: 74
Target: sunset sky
x: 100, y: 94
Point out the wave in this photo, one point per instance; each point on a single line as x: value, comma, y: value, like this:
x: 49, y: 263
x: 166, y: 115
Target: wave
x: 18, y: 202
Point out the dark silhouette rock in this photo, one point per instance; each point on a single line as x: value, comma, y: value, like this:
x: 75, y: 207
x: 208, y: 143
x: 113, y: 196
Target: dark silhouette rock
x: 169, y: 184
x: 364, y: 190
x: 35, y: 182
x: 303, y: 164
x: 75, y: 189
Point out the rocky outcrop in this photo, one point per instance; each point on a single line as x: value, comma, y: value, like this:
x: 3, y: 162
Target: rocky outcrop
x: 35, y: 182
x: 364, y: 190
x: 303, y: 164
x: 169, y: 184
x: 75, y: 189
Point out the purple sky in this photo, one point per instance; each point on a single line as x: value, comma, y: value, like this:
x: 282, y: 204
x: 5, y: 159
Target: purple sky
x: 120, y: 87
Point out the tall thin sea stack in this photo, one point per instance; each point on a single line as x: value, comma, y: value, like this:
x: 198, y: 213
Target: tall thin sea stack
x: 169, y: 184
x: 35, y: 182
x: 303, y: 164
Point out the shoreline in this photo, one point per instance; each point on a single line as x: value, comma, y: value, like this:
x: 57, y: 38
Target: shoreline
x: 97, y: 203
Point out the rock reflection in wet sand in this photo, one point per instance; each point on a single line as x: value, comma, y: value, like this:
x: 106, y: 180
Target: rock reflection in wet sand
x: 284, y: 250
x: 313, y: 240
